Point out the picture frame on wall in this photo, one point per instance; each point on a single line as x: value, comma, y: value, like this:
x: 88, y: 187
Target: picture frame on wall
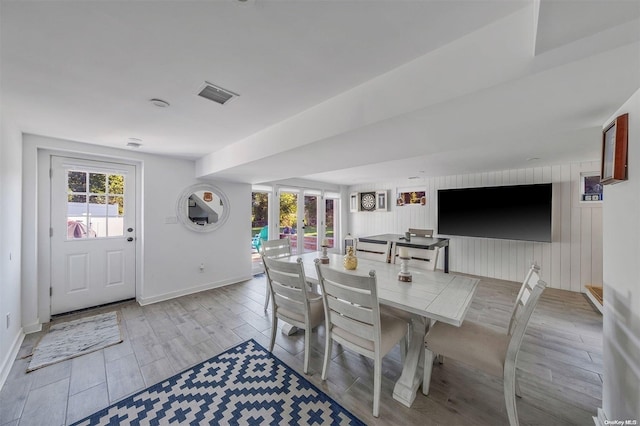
x: 411, y: 197
x: 353, y: 202
x: 590, y: 186
x: 381, y: 203
x: 614, y: 151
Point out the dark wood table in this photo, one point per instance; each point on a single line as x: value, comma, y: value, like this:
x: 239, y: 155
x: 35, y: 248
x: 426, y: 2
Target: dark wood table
x: 414, y: 242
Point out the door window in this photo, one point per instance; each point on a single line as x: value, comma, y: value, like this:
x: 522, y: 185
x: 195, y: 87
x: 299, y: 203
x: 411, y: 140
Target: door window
x: 95, y: 204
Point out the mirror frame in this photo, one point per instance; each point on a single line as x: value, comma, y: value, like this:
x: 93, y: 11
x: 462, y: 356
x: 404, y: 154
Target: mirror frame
x: 182, y: 209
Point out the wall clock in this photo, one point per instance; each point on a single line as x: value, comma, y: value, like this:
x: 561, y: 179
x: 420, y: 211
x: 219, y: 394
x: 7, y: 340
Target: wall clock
x: 368, y: 201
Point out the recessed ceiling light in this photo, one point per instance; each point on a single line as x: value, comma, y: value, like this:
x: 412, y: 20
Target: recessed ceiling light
x: 159, y: 103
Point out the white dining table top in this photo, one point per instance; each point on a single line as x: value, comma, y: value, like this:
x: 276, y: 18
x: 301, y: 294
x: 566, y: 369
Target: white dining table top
x: 431, y: 294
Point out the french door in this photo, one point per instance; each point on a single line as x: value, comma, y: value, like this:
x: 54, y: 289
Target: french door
x: 301, y: 213
x: 92, y: 233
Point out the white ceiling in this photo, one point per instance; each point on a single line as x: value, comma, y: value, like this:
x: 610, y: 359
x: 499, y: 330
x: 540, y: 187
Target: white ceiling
x: 335, y: 91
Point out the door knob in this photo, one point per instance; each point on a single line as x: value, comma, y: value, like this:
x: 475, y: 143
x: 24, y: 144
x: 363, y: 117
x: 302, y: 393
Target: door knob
x: 130, y: 239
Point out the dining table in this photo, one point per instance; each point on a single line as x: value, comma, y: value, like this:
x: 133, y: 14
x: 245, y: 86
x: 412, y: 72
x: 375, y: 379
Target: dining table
x: 430, y: 296
x: 413, y: 242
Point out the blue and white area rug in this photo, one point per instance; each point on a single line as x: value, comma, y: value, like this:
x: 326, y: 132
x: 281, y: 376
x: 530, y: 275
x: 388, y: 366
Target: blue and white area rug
x: 245, y: 385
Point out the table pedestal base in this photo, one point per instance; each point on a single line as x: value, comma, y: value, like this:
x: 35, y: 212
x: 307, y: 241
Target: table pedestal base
x: 409, y: 382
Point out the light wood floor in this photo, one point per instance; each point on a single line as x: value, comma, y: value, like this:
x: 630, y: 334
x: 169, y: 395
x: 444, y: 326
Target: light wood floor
x: 559, y: 367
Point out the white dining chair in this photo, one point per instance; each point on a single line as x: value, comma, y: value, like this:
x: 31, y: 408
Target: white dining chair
x: 373, y: 251
x: 293, y: 300
x: 417, y: 232
x: 421, y: 258
x: 274, y: 249
x: 486, y: 349
x: 353, y: 319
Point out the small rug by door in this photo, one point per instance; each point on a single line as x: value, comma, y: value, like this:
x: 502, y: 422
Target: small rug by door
x: 244, y: 385
x: 74, y: 338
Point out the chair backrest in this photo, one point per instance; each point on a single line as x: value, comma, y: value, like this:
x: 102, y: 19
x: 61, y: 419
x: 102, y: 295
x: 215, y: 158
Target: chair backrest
x: 421, y: 232
x: 351, y: 304
x: 524, y: 306
x: 276, y: 248
x: 373, y: 251
x: 420, y: 258
x: 288, y: 286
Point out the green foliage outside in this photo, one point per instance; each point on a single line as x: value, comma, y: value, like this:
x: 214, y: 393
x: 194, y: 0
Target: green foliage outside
x: 288, y: 213
x: 102, y: 189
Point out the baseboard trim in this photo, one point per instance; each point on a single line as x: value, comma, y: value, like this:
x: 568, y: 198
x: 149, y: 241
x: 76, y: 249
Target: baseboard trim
x: 597, y: 304
x: 172, y: 295
x: 7, y: 363
x: 33, y: 328
x: 600, y: 419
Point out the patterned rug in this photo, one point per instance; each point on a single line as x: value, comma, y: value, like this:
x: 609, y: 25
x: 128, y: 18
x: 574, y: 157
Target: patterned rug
x: 246, y: 385
x: 74, y: 338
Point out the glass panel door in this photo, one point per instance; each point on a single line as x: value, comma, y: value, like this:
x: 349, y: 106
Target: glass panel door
x: 259, y: 227
x: 289, y: 218
x: 330, y: 211
x: 310, y: 223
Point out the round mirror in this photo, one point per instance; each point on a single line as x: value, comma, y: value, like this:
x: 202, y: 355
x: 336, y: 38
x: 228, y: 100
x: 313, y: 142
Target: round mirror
x: 203, y: 207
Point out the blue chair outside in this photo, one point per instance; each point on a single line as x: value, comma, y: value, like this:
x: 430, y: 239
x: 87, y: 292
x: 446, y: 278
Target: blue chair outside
x: 263, y: 235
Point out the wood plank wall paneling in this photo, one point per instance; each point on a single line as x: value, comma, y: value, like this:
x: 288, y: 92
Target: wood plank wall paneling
x: 571, y: 261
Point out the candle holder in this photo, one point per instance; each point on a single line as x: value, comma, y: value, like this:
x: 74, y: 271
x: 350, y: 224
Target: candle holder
x: 404, y: 275
x: 324, y: 259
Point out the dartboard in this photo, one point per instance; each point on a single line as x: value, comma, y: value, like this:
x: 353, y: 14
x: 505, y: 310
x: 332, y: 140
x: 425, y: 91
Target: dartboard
x: 368, y: 201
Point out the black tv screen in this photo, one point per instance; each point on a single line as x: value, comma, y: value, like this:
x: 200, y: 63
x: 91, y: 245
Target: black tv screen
x: 519, y: 212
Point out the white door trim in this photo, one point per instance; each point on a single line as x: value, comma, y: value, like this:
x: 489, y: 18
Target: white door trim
x: 43, y: 254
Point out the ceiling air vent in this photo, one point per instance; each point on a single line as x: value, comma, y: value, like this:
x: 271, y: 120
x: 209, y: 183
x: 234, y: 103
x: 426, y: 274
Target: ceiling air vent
x: 216, y: 94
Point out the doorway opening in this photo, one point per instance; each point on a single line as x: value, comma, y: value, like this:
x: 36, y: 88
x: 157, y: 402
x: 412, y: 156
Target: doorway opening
x: 259, y: 227
x: 92, y: 233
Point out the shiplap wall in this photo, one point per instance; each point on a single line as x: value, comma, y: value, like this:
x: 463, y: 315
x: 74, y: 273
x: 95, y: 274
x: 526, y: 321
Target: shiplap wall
x: 571, y: 261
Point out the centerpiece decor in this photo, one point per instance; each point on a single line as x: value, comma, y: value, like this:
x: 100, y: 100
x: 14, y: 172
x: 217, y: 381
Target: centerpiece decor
x: 350, y: 260
x: 404, y: 274
x: 324, y: 259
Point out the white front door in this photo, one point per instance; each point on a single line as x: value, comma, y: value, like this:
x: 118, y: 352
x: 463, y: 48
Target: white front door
x: 93, y: 236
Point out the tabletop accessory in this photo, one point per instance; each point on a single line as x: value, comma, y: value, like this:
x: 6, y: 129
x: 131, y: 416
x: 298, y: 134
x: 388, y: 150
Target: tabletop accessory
x: 404, y: 275
x: 350, y: 260
x: 324, y: 259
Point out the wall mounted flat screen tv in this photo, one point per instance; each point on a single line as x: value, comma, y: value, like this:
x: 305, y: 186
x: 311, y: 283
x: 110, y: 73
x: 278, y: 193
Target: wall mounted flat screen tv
x: 518, y: 212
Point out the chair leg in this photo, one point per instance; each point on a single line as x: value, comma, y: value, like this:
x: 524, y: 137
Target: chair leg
x: 266, y: 298
x: 327, y: 354
x: 377, y: 384
x: 428, y: 367
x: 307, y: 347
x: 510, y: 397
x: 440, y: 359
x: 274, y: 329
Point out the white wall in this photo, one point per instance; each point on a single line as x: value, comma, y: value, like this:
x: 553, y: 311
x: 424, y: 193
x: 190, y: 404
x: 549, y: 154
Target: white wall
x: 10, y: 193
x: 170, y: 253
x: 621, y: 245
x: 571, y: 261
